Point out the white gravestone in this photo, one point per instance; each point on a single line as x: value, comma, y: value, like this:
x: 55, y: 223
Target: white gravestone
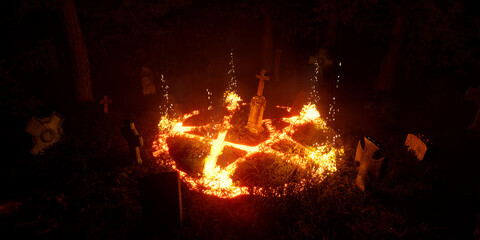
x: 372, y: 163
x: 45, y: 132
x: 418, y: 145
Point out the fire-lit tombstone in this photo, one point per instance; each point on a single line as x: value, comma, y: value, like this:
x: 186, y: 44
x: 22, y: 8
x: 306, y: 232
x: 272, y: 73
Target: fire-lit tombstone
x: 148, y: 81
x: 418, y: 145
x: 473, y: 95
x: 45, y: 132
x: 372, y: 163
x: 133, y: 138
x: 161, y: 200
x: 105, y: 101
x: 257, y: 105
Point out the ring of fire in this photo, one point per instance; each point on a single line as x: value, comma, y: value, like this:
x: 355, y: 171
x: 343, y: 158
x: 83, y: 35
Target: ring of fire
x: 320, y: 160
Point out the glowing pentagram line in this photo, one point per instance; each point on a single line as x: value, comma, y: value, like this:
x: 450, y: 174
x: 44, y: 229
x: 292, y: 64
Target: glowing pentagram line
x: 218, y: 181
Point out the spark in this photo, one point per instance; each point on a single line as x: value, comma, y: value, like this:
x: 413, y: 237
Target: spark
x: 217, y: 181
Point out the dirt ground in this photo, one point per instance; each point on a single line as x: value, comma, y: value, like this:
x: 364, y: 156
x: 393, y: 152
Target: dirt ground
x: 86, y: 186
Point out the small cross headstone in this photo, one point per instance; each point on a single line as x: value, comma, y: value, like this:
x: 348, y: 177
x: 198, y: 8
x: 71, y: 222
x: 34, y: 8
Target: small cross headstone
x: 134, y: 140
x: 418, y: 144
x: 473, y: 94
x: 105, y: 101
x: 372, y: 163
x: 45, y: 132
x: 161, y: 199
x: 148, y: 81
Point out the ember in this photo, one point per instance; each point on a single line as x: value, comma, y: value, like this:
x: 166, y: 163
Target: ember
x: 319, y: 160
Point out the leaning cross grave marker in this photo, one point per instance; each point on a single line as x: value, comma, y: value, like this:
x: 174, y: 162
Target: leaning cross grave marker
x: 257, y: 105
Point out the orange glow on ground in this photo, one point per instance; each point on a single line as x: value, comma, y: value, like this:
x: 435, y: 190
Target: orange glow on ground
x: 218, y: 181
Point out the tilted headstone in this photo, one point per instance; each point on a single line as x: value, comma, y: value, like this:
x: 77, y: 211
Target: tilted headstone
x: 419, y: 145
x: 473, y: 95
x: 134, y: 140
x: 161, y: 200
x: 257, y: 105
x: 148, y: 81
x: 372, y: 163
x: 45, y: 132
x: 105, y: 101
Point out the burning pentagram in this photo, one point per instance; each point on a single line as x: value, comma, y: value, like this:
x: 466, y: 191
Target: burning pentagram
x: 318, y: 160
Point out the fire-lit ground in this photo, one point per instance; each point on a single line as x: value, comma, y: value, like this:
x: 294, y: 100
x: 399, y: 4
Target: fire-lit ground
x: 285, y: 155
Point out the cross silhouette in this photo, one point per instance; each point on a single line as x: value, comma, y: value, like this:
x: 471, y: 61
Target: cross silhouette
x: 261, y: 83
x: 105, y: 103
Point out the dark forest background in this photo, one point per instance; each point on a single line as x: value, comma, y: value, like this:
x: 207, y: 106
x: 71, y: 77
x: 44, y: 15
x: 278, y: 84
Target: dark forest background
x: 190, y: 42
x: 405, y: 68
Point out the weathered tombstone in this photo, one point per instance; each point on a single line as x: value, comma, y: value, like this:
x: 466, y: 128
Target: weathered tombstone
x: 45, y: 132
x: 372, y: 163
x: 257, y: 105
x: 161, y: 200
x: 473, y: 94
x: 419, y: 145
x: 134, y: 140
x: 148, y: 81
x: 105, y: 101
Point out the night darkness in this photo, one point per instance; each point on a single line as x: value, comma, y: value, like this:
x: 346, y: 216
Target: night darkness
x: 390, y: 68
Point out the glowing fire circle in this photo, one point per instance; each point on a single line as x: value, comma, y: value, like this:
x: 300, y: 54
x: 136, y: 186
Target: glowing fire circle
x: 317, y: 160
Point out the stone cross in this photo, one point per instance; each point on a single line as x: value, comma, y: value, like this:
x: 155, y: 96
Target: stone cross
x: 322, y: 58
x: 372, y: 163
x: 45, y: 132
x: 473, y: 94
x: 324, y: 62
x: 261, y: 83
x: 105, y: 103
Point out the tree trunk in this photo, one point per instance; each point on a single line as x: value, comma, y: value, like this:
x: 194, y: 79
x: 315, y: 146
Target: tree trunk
x: 386, y: 73
x: 331, y: 37
x: 276, y: 65
x: 78, y: 51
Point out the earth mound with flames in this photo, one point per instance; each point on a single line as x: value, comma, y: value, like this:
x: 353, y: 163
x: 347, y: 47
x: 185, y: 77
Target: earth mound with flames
x: 215, y: 153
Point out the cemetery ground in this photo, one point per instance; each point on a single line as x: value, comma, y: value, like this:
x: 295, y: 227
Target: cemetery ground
x: 86, y: 186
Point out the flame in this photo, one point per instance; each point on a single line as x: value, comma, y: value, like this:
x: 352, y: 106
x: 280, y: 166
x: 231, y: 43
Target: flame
x: 232, y: 100
x: 309, y: 112
x: 217, y: 181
